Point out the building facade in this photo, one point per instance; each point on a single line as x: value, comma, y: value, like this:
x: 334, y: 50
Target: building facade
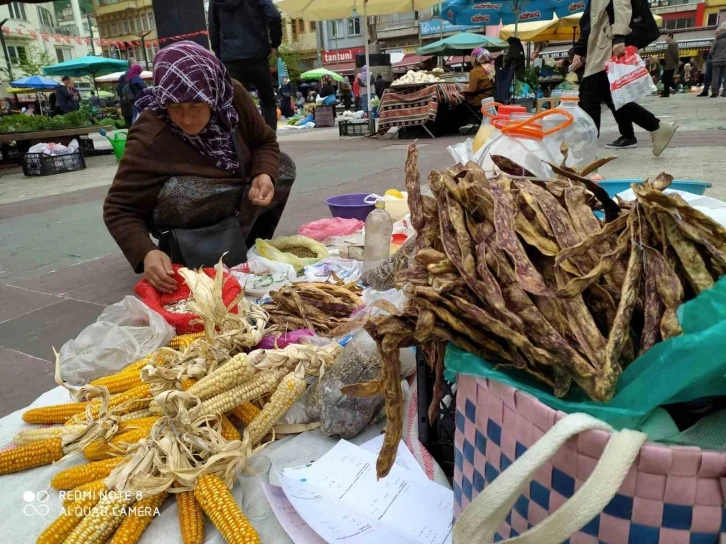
x: 123, y: 25
x: 302, y: 37
x: 32, y: 30
x: 342, y: 40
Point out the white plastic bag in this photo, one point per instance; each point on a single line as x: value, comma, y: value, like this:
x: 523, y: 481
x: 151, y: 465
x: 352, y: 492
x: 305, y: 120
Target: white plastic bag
x: 258, y: 276
x: 123, y: 333
x: 397, y: 208
x: 629, y: 78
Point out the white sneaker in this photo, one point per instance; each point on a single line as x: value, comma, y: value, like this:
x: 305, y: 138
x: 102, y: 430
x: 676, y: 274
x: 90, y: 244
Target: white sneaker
x: 662, y: 137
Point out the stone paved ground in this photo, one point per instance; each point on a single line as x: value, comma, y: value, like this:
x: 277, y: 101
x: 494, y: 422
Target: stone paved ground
x: 59, y: 267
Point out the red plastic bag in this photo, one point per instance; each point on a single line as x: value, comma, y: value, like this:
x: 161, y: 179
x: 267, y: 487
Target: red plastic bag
x: 182, y: 322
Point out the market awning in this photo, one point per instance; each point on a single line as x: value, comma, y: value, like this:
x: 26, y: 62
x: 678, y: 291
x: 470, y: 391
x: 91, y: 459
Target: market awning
x: 689, y: 43
x: 409, y: 61
x: 344, y: 68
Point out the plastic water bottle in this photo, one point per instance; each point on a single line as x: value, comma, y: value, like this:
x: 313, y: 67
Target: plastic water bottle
x: 377, y: 245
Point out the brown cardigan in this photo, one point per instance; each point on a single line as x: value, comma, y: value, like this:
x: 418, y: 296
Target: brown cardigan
x: 154, y: 153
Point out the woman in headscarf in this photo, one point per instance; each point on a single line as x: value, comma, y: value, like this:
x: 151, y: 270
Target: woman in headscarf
x: 201, y: 171
x: 130, y: 90
x: 300, y: 103
x: 481, y: 78
x: 286, y: 98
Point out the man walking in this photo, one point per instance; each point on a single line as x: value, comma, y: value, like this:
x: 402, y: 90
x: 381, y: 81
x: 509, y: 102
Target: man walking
x: 718, y: 60
x: 672, y: 60
x: 633, y: 24
x: 244, y: 33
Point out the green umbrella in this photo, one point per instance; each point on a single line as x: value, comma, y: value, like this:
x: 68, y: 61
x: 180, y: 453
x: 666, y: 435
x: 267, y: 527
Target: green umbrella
x: 462, y: 43
x: 86, y: 66
x: 318, y: 73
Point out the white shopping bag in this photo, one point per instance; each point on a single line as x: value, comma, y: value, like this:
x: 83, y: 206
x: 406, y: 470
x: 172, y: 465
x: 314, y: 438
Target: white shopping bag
x: 629, y: 78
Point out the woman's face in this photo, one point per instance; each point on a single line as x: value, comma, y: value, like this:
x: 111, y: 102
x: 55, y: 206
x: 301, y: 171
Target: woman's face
x: 191, y: 117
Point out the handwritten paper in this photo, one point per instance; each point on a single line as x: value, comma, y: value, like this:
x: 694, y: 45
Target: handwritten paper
x: 295, y: 526
x: 404, y: 504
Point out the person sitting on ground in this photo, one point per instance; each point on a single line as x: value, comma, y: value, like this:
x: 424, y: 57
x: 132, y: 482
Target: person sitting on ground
x: 327, y: 89
x: 198, y: 136
x: 94, y: 101
x: 481, y: 78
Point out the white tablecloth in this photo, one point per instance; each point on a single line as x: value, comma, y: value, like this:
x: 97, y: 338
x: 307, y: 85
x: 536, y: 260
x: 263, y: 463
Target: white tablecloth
x: 24, y: 521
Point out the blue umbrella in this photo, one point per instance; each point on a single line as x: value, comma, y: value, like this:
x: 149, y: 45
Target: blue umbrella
x: 468, y: 12
x: 34, y: 82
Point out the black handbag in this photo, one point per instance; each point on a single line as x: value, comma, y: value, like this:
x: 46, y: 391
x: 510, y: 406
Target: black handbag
x: 203, y: 246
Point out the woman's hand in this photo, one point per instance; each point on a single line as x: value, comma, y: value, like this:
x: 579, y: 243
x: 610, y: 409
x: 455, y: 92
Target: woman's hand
x: 158, y: 271
x: 262, y: 190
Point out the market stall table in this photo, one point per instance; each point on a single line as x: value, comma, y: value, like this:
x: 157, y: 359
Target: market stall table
x: 49, y: 135
x: 418, y: 104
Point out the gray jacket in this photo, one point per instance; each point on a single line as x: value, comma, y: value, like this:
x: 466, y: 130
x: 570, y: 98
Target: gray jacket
x: 718, y: 50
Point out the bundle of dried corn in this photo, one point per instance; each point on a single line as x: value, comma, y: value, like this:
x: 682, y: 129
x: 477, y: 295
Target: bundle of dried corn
x: 321, y: 307
x: 522, y: 272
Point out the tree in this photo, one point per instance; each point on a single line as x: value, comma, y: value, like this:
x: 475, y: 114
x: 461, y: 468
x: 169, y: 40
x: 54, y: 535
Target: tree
x: 291, y: 57
x: 35, y: 59
x: 85, y: 5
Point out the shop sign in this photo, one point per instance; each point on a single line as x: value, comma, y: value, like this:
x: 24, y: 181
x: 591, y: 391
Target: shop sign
x: 434, y: 26
x: 342, y: 55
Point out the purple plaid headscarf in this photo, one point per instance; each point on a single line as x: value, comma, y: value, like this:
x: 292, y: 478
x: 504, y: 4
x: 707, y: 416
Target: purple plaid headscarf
x: 187, y: 72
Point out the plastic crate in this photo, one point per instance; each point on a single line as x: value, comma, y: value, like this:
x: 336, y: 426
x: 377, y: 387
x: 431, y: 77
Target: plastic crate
x: 40, y: 164
x: 438, y: 438
x: 89, y: 149
x: 348, y: 128
x: 9, y: 154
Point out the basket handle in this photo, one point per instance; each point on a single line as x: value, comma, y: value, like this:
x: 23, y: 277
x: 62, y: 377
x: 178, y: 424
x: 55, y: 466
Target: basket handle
x: 482, y: 518
x: 569, y: 119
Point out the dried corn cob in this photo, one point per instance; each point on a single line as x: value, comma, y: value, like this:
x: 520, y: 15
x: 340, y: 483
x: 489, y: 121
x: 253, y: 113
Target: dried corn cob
x: 191, y: 518
x: 97, y: 526
x: 140, y: 394
x: 70, y: 518
x: 245, y: 412
x: 120, y: 382
x: 220, y: 507
x: 131, y: 528
x: 287, y: 392
x: 234, y: 372
x: 100, y: 449
x: 96, y: 489
x: 29, y: 436
x: 82, y: 474
x: 263, y: 382
x: 228, y: 430
x: 59, y: 413
x: 32, y: 455
x: 182, y: 342
x: 188, y: 383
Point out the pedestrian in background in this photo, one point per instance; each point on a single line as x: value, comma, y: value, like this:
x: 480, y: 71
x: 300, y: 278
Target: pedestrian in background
x: 633, y: 24
x: 718, y: 60
x: 67, y: 95
x: 244, y: 34
x: 670, y: 65
x: 346, y: 93
x: 130, y: 91
x: 356, y: 92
